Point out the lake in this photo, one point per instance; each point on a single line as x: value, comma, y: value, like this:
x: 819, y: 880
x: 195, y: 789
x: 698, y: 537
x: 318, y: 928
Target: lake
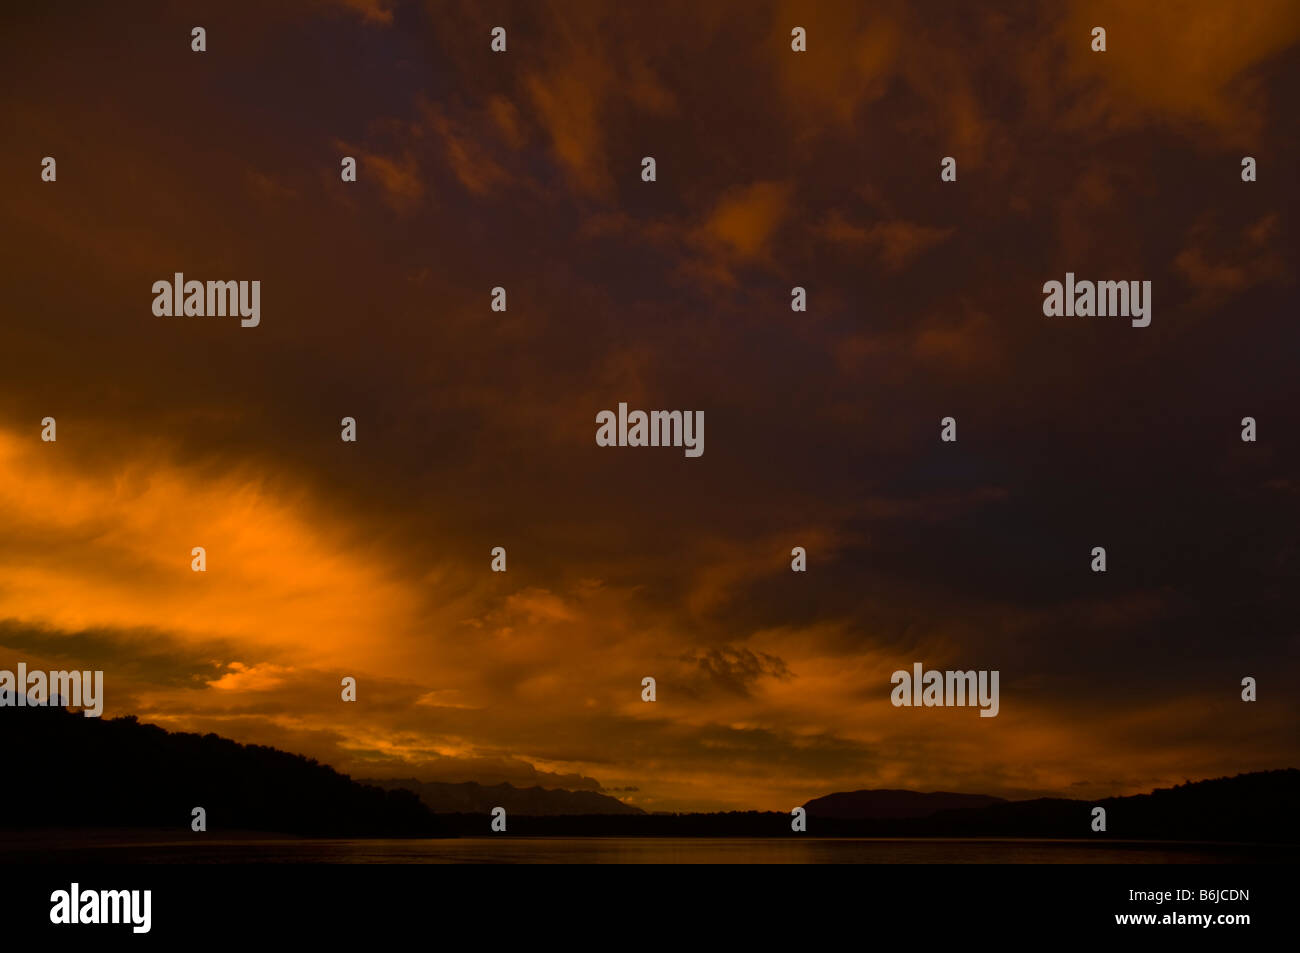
x: 154, y: 847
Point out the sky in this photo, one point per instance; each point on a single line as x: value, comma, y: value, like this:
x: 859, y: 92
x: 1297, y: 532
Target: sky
x: 476, y: 428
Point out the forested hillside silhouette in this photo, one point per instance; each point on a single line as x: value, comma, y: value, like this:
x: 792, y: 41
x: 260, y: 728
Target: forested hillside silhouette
x: 71, y: 771
x: 468, y: 797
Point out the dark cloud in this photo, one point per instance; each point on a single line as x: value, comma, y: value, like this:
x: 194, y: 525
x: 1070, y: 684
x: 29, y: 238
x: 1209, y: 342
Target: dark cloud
x: 476, y: 428
x: 735, y: 669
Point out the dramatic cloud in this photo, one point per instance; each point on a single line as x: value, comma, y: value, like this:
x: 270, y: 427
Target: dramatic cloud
x: 476, y: 427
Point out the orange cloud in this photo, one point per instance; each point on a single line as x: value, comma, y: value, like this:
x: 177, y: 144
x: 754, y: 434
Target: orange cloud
x: 398, y: 178
x: 278, y: 576
x: 897, y: 243
x: 744, y: 220
x: 471, y: 163
x: 255, y: 678
x: 374, y: 11
x: 568, y: 100
x: 1182, y: 61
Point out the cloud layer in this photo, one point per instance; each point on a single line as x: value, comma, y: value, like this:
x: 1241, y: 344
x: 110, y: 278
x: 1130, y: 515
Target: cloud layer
x: 476, y: 428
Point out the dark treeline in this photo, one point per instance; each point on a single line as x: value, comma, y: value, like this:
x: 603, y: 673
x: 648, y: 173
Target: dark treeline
x: 470, y: 798
x: 67, y: 770
x: 1256, y: 808
x: 1250, y: 808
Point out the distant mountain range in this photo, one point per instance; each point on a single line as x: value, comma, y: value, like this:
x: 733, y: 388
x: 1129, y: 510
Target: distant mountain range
x: 889, y: 804
x: 471, y: 798
x: 1248, y: 808
x: 1258, y: 807
x: 69, y: 771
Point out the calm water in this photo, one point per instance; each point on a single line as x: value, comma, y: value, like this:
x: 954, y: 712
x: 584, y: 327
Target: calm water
x: 137, y: 848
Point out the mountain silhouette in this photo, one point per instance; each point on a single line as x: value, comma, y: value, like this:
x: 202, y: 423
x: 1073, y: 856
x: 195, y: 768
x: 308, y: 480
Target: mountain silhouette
x: 1249, y: 808
x: 473, y: 798
x: 1257, y: 807
x: 72, y: 771
x: 890, y: 803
